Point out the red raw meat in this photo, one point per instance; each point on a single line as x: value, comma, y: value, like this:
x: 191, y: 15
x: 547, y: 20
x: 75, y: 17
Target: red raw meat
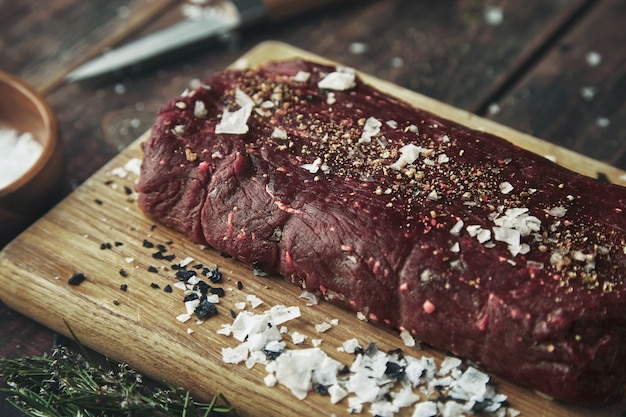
x: 472, y: 244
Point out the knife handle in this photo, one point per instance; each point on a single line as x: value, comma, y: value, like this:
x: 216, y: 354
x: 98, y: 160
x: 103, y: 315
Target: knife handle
x: 280, y: 9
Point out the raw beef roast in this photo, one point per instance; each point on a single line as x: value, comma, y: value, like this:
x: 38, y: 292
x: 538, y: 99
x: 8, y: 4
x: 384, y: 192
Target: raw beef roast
x: 472, y: 244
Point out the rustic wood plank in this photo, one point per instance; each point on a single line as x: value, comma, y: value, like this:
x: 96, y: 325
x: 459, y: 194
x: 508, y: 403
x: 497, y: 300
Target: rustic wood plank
x: 127, y: 324
x: 568, y: 98
x: 42, y: 41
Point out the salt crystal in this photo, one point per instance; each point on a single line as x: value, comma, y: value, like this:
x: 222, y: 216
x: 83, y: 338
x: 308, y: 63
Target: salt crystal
x: 18, y: 152
x: 133, y: 166
x: 310, y: 297
x: 407, y: 339
x: 350, y: 345
x: 302, y: 77
x: 270, y: 380
x: 297, y: 338
x: 322, y: 327
x: 342, y: 79
x: 254, y: 300
x: 279, y: 133
x: 425, y: 409
x: 371, y: 129
x: 336, y: 393
x: 183, y: 318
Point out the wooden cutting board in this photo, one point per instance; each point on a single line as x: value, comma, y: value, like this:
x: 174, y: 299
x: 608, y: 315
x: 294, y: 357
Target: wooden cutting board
x: 98, y: 230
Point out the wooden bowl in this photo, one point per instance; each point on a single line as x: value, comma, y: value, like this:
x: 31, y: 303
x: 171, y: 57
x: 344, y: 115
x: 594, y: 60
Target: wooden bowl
x: 27, y: 197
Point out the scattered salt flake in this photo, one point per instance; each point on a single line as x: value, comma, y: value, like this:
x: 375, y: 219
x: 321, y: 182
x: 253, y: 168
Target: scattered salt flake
x: 355, y: 405
x: 294, y: 369
x: 133, y: 166
x: 408, y: 154
x: 433, y: 196
x: 280, y: 314
x: 119, y: 172
x: 183, y: 317
x: 361, y: 316
x: 235, y: 355
x: 189, y: 331
x: 270, y: 380
x: 448, y: 364
x: 472, y: 383
x: 129, y: 260
x: 297, y: 338
x: 283, y: 330
x: 236, y: 122
x: 313, y: 167
x: 405, y: 398
x: 483, y: 235
x: 350, y: 345
x: 191, y: 305
x: 302, y: 76
x: 254, y: 300
x: 505, y: 187
x: 318, y: 342
x: 370, y: 129
x: 336, y: 393
x: 183, y: 263
x: 458, y: 226
x: 407, y: 338
x: 180, y: 285
x: 334, y: 322
x: 213, y: 298
x: 425, y: 409
x: 455, y: 248
x: 240, y: 305
x: 322, y: 327
x: 310, y: 297
x: 199, y: 109
x: 340, y: 80
x: 224, y: 330
x: 279, y: 133
x: 557, y: 211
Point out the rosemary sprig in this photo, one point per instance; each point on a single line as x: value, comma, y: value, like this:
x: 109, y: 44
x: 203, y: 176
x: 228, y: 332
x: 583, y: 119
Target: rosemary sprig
x: 63, y: 383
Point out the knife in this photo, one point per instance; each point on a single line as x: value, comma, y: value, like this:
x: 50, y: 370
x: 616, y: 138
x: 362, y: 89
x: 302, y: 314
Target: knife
x: 213, y: 21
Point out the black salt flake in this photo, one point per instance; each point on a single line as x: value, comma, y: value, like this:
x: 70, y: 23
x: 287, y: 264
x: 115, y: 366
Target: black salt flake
x: 77, y: 279
x: 205, y: 309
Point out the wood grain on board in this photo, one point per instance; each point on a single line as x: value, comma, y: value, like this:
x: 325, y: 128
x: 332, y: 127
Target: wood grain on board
x: 98, y: 230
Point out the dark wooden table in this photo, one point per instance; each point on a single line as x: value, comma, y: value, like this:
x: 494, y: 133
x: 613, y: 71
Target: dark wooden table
x: 553, y: 68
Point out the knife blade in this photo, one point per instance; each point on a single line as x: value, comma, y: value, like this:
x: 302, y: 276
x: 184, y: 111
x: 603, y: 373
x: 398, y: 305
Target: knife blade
x: 213, y: 21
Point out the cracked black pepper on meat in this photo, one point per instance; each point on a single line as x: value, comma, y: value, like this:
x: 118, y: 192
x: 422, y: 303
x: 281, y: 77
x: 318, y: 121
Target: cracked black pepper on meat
x: 468, y: 242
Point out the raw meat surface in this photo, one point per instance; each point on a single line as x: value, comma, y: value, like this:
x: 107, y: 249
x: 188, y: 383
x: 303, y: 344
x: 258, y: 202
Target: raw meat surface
x: 472, y: 244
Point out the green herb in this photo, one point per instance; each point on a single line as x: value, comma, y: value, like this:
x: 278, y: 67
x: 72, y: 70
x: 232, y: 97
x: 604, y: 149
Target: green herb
x: 64, y: 383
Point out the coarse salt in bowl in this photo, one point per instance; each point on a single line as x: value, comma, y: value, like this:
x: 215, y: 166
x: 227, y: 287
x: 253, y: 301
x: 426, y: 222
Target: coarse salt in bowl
x: 31, y: 161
